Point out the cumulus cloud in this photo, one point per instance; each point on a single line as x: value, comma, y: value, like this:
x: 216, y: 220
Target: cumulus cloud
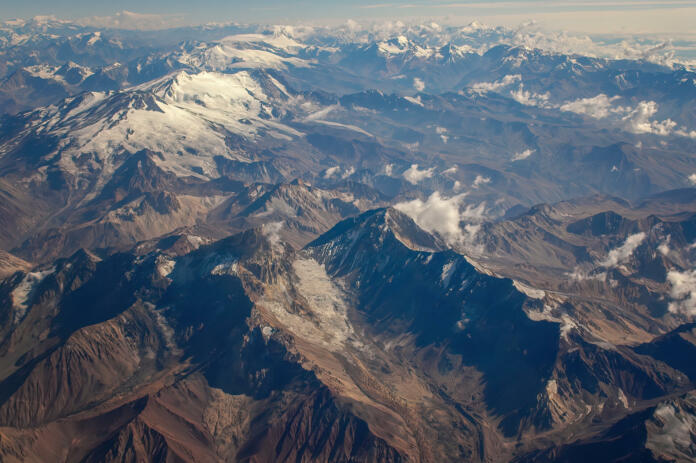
x: 528, y: 98
x: 692, y: 178
x: 522, y: 155
x: 598, y: 107
x: 388, y: 169
x: 620, y: 255
x: 683, y: 292
x: 418, y: 84
x: 445, y: 216
x: 451, y: 170
x: 483, y: 87
x: 635, y: 120
x: 638, y: 120
x: 480, y: 180
x: 414, y: 175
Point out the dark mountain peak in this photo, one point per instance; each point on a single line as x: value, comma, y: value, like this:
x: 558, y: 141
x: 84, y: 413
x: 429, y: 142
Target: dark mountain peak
x: 259, y: 251
x: 604, y: 223
x: 138, y: 174
x: 379, y: 228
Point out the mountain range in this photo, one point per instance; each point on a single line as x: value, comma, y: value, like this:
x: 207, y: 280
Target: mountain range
x: 248, y: 243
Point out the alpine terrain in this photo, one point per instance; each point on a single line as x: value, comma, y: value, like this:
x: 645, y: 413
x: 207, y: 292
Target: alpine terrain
x: 414, y: 243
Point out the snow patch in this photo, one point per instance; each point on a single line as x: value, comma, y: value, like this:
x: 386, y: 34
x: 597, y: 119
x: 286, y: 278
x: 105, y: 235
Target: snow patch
x: 528, y: 290
x: 327, y: 323
x: 676, y: 432
x: 447, y: 272
x: 22, y: 292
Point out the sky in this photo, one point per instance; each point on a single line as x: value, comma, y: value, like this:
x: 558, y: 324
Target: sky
x: 674, y: 18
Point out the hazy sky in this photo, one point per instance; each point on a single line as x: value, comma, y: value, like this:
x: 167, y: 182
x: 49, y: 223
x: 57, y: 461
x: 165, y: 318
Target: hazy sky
x: 613, y: 16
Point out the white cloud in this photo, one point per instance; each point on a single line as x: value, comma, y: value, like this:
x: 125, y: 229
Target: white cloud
x: 578, y: 274
x: 683, y: 292
x: 347, y: 173
x: 436, y: 214
x: 443, y: 134
x: 451, y: 170
x: 663, y: 248
x: 331, y: 171
x: 523, y: 155
x: 418, y: 84
x: 483, y: 87
x: 415, y: 175
x: 683, y: 132
x: 444, y: 216
x: 598, y: 107
x: 271, y: 231
x: 480, y: 180
x: 528, y: 98
x: 388, y: 169
x: 336, y: 170
x: 621, y: 254
x: 692, y: 178
x: 638, y: 120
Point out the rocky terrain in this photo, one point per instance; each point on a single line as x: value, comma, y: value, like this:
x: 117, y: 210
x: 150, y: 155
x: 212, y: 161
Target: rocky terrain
x: 238, y: 243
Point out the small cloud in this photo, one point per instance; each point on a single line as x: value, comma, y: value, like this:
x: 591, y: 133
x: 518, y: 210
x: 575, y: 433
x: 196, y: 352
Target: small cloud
x: 336, y: 171
x: 414, y: 175
x: 484, y: 87
x: 638, y: 120
x: 683, y: 292
x: 451, y: 170
x: 388, y: 169
x: 418, y: 84
x: 331, y: 171
x: 480, y: 180
x: 692, y: 178
x: 348, y: 172
x: 272, y: 232
x: 445, y: 216
x: 621, y: 254
x: 528, y: 98
x: 597, y: 107
x: 635, y: 120
x: 578, y: 274
x: 663, y: 248
x: 523, y: 155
